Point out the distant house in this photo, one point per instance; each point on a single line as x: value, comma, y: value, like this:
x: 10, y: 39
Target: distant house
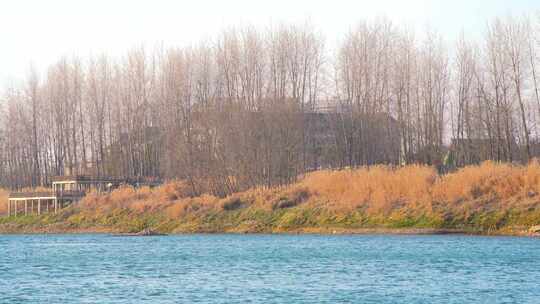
x: 136, y: 152
x: 326, y: 137
x: 361, y: 139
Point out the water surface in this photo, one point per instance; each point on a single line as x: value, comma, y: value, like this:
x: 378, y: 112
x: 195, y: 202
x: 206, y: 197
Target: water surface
x: 268, y: 269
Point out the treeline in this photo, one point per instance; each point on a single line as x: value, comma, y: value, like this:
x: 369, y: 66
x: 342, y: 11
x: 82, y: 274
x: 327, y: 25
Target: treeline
x: 256, y: 107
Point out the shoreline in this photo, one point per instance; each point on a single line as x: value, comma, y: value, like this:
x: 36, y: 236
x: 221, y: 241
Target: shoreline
x: 302, y: 231
x: 489, y: 199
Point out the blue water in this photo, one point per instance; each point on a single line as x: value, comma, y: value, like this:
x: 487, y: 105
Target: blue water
x: 269, y: 269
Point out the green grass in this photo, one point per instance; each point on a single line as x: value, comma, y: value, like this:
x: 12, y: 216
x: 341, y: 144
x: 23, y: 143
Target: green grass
x: 260, y: 220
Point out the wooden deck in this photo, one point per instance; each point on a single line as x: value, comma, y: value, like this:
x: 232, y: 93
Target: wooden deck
x: 38, y: 202
x: 45, y: 195
x: 67, y: 190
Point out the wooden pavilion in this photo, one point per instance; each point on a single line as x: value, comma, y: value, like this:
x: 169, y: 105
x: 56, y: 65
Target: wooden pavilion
x: 65, y: 191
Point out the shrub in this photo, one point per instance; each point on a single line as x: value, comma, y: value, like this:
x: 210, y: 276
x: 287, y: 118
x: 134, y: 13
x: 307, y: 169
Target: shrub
x: 291, y: 198
x: 232, y: 203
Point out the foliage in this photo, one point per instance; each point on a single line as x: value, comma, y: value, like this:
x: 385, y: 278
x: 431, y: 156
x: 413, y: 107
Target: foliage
x: 487, y: 198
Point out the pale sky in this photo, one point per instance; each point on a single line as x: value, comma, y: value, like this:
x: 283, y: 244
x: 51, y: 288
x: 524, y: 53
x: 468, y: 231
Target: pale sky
x: 39, y: 32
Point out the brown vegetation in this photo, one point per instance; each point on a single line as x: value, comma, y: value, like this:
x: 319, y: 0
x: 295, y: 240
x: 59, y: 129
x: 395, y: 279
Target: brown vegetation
x: 3, y: 201
x: 486, y: 198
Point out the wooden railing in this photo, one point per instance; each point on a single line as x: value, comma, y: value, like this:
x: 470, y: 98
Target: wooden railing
x: 70, y: 193
x: 24, y: 194
x: 59, y: 194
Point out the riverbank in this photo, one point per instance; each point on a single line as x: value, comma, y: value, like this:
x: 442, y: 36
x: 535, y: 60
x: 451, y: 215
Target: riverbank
x: 44, y: 225
x: 12, y: 227
x: 486, y: 199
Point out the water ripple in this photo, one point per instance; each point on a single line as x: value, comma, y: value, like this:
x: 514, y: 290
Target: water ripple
x: 269, y: 269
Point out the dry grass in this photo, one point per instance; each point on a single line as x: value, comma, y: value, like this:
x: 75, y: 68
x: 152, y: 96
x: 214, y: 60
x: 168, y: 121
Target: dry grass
x: 193, y: 205
x: 376, y: 189
x: 382, y: 189
x: 504, y: 183
x: 140, y: 199
x: 3, y: 200
x: 488, y: 196
x: 173, y: 198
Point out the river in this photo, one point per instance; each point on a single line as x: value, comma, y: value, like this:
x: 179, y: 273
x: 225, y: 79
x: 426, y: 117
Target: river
x: 269, y: 269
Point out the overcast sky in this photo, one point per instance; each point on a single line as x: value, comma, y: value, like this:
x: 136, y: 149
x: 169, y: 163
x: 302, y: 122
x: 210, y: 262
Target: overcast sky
x: 40, y: 32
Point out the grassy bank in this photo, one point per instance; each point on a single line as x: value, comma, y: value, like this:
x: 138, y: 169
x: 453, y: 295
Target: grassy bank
x: 490, y: 198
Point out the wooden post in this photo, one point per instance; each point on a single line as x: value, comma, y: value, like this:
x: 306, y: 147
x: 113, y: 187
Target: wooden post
x: 39, y: 206
x: 55, y: 205
x: 9, y: 207
x: 25, y: 207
